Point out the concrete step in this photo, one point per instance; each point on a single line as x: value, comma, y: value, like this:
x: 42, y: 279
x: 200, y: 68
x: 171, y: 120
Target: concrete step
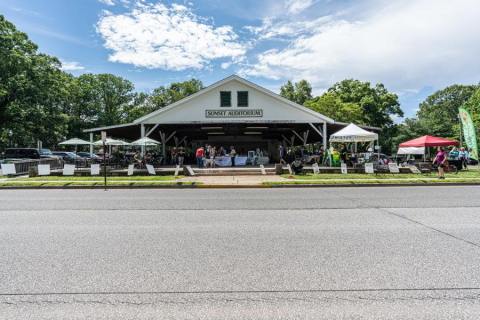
x: 232, y: 171
x: 233, y: 174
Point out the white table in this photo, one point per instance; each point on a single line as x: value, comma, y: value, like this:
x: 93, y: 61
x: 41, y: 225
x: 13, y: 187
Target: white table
x: 226, y: 161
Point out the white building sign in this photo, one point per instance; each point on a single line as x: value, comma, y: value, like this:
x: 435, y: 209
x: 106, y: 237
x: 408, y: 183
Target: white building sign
x: 247, y: 113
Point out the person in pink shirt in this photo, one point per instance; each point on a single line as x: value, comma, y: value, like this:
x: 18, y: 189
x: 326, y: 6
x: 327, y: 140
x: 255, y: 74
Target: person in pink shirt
x: 440, y: 161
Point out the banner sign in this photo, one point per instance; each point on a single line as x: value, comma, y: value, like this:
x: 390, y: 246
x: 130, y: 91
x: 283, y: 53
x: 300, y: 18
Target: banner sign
x: 469, y: 132
x: 247, y: 113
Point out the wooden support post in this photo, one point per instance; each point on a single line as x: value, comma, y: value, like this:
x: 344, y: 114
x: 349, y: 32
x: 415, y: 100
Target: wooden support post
x: 299, y: 136
x: 142, y: 134
x: 151, y: 130
x: 305, y: 137
x: 163, y: 140
x: 325, y: 136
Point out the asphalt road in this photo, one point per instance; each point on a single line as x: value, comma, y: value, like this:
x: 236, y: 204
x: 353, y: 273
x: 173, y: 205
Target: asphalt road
x: 327, y: 253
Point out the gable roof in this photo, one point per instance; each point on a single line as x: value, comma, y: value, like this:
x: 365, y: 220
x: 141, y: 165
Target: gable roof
x: 246, y: 83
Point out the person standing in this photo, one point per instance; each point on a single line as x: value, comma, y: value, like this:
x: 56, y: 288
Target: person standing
x: 199, y: 155
x: 462, y: 156
x: 173, y: 156
x: 233, y: 153
x: 440, y: 160
x: 213, y: 152
x: 281, y: 154
x: 181, y: 156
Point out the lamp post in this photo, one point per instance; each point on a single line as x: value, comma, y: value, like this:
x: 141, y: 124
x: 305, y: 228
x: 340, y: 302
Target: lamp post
x: 104, y: 140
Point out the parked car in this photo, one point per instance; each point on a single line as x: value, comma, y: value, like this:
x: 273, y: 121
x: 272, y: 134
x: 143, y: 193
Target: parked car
x: 47, y: 153
x: 88, y: 155
x: 66, y: 156
x: 22, y: 153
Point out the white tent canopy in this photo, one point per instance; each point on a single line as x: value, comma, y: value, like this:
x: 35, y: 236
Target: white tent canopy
x: 353, y: 133
x: 145, y: 141
x: 75, y: 142
x: 411, y: 150
x: 111, y: 142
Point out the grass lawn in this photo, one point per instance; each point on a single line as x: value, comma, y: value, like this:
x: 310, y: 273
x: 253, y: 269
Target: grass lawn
x: 350, y: 176
x: 470, y: 176
x: 99, y: 178
x: 69, y: 181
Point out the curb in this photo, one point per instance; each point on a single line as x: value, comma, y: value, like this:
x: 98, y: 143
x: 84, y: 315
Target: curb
x: 260, y: 186
x: 366, y: 185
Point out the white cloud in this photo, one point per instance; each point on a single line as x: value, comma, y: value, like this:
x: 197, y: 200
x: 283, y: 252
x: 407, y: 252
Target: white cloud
x: 287, y: 29
x: 407, y: 45
x: 107, y: 2
x: 71, y: 66
x: 225, y: 65
x: 297, y: 6
x: 171, y: 38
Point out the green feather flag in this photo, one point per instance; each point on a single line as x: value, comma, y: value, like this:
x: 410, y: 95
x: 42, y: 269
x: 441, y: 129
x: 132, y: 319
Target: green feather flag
x: 469, y: 132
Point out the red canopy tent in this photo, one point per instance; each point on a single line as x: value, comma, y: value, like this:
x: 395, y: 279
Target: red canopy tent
x: 429, y: 141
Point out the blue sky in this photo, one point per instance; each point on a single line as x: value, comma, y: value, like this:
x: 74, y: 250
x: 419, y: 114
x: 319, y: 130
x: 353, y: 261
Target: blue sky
x: 414, y: 47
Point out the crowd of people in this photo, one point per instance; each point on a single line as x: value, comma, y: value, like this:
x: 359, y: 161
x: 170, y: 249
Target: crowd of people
x: 205, y: 155
x: 297, y: 157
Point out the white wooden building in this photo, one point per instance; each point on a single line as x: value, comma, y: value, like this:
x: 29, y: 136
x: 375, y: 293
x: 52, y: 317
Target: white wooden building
x: 233, y: 111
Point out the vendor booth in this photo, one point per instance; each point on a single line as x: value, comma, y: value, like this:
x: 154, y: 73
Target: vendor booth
x: 421, y: 145
x: 352, y: 134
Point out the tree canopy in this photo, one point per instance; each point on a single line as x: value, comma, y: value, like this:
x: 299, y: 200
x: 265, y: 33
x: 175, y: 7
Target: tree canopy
x: 439, y: 112
x: 299, y: 93
x: 39, y: 101
x: 378, y: 105
x: 32, y: 90
x: 351, y: 101
x: 163, y: 96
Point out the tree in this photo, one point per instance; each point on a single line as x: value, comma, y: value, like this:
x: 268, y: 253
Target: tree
x: 331, y: 106
x: 100, y: 100
x: 411, y: 128
x: 298, y: 93
x: 377, y: 103
x: 32, y: 91
x: 473, y: 105
x: 164, y: 96
x: 303, y: 91
x: 288, y: 91
x: 439, y: 111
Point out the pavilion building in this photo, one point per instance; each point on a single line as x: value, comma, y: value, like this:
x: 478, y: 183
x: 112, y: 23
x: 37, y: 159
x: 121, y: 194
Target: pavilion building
x: 230, y: 112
